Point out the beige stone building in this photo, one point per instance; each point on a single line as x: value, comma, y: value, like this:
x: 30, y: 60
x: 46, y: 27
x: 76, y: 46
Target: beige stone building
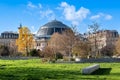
x: 102, y: 39
x: 8, y: 38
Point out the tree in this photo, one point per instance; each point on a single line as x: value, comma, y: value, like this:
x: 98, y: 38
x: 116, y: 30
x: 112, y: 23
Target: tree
x: 117, y: 46
x: 68, y: 43
x: 48, y: 53
x: 54, y: 43
x: 93, y: 29
x: 108, y: 50
x: 13, y: 49
x: 82, y: 49
x: 8, y: 50
x: 25, y: 40
x: 64, y: 42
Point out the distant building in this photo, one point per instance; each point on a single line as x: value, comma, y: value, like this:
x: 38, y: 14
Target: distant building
x: 103, y: 38
x: 46, y: 31
x: 8, y: 38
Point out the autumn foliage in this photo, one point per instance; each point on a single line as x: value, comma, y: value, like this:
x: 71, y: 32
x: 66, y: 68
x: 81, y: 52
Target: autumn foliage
x: 25, y: 40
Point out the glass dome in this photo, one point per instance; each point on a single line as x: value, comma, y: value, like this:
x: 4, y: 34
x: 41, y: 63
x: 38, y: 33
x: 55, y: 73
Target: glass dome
x: 51, y: 27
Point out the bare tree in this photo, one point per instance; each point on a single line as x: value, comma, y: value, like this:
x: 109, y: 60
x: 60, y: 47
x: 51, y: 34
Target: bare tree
x: 13, y: 49
x: 68, y: 43
x: 63, y: 42
x: 54, y: 43
x: 117, y: 47
x: 48, y: 53
x: 108, y: 50
x: 93, y: 29
x: 82, y: 49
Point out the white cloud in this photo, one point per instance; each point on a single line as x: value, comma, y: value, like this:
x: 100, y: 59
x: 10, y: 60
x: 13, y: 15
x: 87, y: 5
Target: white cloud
x: 38, y: 9
x: 49, y: 14
x: 95, y: 17
x: 64, y: 4
x: 31, y: 5
x: 70, y: 13
x: 40, y: 5
x: 101, y: 16
x: 108, y: 17
x: 58, y: 8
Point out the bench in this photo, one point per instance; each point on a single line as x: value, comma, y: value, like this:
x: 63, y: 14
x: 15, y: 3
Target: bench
x: 90, y: 69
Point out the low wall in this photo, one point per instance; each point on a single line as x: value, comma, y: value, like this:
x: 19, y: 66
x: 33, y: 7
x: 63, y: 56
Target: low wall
x: 18, y: 58
x: 92, y: 60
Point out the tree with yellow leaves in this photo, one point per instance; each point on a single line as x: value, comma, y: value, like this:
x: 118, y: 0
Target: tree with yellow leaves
x: 25, y: 40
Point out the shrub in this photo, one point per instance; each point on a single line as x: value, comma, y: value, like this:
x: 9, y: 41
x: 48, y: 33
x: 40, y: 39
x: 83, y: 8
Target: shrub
x: 18, y: 54
x: 44, y: 60
x: 59, y: 56
x: 4, y: 51
x: 34, y: 52
x: 67, y: 58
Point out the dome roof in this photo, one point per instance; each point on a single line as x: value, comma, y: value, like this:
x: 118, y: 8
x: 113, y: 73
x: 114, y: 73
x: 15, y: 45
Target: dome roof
x: 56, y: 24
x: 51, y: 27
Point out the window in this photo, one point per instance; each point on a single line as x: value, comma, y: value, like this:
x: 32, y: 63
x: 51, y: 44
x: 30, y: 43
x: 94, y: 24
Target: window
x: 58, y: 30
x: 50, y: 31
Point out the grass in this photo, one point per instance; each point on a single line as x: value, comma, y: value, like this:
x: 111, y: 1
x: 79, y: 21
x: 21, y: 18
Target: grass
x: 33, y: 69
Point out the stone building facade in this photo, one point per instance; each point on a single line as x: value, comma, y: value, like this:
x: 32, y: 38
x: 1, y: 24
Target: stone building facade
x: 101, y: 39
x: 8, y: 38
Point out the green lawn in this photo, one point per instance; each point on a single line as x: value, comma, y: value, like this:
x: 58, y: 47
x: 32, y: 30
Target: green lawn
x: 33, y: 69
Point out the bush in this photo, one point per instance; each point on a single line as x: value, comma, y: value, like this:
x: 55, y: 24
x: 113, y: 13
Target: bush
x: 34, y: 52
x: 4, y: 51
x: 44, y: 60
x: 18, y: 54
x: 67, y: 58
x: 59, y: 56
x: 48, y: 53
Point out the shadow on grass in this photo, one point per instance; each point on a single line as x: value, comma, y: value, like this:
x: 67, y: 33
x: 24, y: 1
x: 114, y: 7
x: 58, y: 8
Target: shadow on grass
x: 102, y: 71
x: 2, y: 66
x: 28, y: 73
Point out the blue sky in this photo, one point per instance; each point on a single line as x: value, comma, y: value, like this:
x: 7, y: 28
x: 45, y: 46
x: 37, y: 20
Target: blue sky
x: 35, y: 13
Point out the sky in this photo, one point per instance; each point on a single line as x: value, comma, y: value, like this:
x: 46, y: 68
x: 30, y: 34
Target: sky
x: 81, y: 13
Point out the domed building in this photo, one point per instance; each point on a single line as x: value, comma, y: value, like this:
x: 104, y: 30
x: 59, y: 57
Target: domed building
x: 46, y: 31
